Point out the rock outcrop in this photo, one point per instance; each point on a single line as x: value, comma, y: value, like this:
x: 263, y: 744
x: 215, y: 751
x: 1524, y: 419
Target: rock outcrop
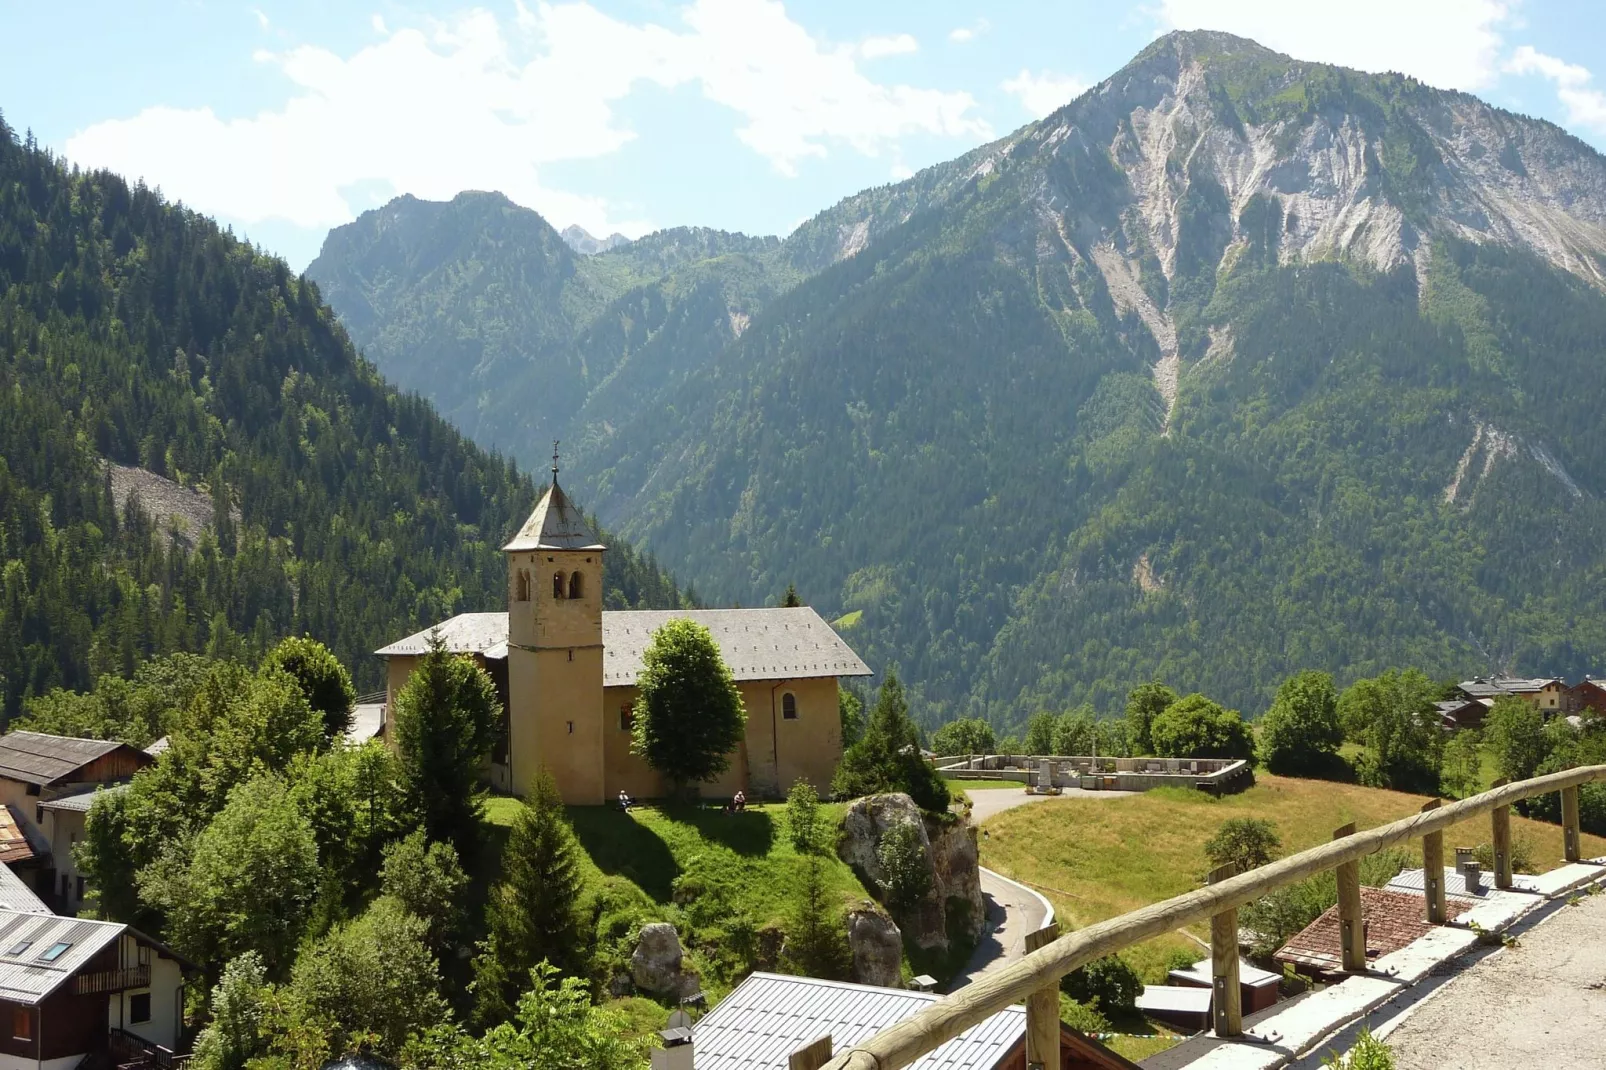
x: 657, y: 964
x: 954, y: 901
x: 877, y: 946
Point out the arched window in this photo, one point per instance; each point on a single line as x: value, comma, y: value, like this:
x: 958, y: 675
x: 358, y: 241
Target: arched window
x: 789, y: 706
x: 576, y: 585
x: 522, y: 586
x: 558, y: 588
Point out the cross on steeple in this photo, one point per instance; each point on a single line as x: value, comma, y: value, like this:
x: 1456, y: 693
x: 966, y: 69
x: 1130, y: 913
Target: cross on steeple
x: 554, y: 462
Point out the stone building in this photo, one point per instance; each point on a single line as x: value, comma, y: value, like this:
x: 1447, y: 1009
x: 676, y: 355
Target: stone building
x: 566, y: 672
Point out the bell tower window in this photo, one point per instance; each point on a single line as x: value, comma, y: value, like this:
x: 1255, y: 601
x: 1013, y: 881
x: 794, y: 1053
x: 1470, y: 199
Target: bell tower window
x: 576, y: 584
x: 558, y: 586
x: 522, y: 586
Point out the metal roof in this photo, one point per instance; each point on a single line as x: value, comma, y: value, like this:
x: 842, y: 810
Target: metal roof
x: 757, y: 644
x: 16, y: 895
x: 1455, y: 883
x: 769, y: 1016
x: 367, y: 718
x: 35, y: 758
x: 555, y: 525
x: 155, y: 749
x: 25, y: 977
x: 1248, y: 974
x: 81, y: 799
x: 1177, y: 999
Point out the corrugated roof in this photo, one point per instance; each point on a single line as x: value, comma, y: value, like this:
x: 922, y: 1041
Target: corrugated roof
x: 1455, y: 883
x: 757, y: 644
x: 1201, y: 973
x: 25, y: 977
x: 16, y: 895
x: 555, y: 525
x: 35, y: 758
x: 80, y: 799
x: 769, y: 1016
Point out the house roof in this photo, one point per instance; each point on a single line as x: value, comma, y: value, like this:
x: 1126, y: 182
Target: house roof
x: 16, y: 845
x: 17, y: 896
x: 25, y: 977
x: 769, y: 1016
x: 1495, y: 686
x: 155, y: 749
x: 1455, y: 883
x: 1200, y: 974
x: 80, y: 799
x: 556, y: 524
x: 1393, y: 920
x: 757, y: 644
x: 367, y: 718
x: 35, y: 758
x: 1175, y: 999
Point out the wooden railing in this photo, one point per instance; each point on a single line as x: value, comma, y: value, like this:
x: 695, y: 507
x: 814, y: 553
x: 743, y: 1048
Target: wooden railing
x: 92, y: 984
x: 129, y: 1051
x: 1218, y: 902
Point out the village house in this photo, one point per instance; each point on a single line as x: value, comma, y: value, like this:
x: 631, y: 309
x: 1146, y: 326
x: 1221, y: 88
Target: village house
x: 1542, y: 693
x: 566, y: 671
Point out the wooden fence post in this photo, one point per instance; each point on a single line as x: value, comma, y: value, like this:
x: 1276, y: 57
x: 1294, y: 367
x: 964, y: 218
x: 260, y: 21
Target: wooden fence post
x: 1569, y: 824
x: 1043, y: 1011
x: 1433, y: 870
x: 812, y: 1057
x: 1226, y: 1004
x: 1500, y: 822
x: 1351, y: 920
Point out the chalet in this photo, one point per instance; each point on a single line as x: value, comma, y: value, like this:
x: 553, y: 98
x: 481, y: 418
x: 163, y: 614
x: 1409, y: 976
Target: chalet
x: 1463, y: 712
x: 769, y: 1016
x: 72, y: 989
x: 1542, y: 693
x: 61, y: 822
x: 34, y: 765
x: 1588, y: 694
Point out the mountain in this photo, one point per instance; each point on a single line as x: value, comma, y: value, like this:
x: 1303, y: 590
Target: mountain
x: 580, y: 240
x: 283, y: 486
x: 1234, y: 365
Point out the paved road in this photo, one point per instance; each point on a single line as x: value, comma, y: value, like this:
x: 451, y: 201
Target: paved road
x: 990, y: 802
x: 1541, y: 1003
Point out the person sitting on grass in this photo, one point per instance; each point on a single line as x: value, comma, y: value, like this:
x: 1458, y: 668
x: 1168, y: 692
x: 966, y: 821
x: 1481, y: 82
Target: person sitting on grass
x: 739, y: 801
x: 625, y: 801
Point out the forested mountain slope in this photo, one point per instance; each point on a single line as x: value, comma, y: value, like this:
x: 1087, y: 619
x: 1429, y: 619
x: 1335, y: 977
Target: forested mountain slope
x: 1232, y: 366
x: 137, y: 333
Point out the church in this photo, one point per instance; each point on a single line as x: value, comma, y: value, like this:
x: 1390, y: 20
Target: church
x: 566, y: 669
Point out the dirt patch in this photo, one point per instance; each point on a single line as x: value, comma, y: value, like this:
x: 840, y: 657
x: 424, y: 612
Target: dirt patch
x: 187, y: 512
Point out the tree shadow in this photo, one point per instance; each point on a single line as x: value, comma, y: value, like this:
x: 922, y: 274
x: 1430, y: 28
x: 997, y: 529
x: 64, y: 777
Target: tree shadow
x: 750, y: 833
x: 621, y: 846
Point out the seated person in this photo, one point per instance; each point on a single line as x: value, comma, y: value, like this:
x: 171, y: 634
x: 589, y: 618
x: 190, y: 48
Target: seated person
x: 739, y: 802
x: 625, y: 801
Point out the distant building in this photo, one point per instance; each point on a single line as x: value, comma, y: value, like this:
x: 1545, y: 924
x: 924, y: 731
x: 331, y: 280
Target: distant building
x: 1588, y: 694
x: 769, y: 1016
x: 1542, y: 693
x: 1463, y: 712
x: 566, y: 672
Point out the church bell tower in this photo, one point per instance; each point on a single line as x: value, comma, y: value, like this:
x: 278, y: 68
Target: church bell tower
x: 555, y: 655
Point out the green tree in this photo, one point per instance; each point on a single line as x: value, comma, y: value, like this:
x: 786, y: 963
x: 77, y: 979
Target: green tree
x: 1195, y: 727
x: 1076, y: 731
x: 905, y: 873
x: 790, y: 600
x: 354, y: 799
x: 446, y: 716
x: 1300, y: 734
x: 803, y: 818
x: 689, y: 715
x: 429, y: 882
x: 1245, y: 842
x: 246, y: 883
x: 1107, y: 984
x: 1040, y: 734
x: 1393, y: 716
x: 324, y: 682
x: 850, y: 713
x: 888, y: 758
x: 816, y: 939
x: 1143, y: 704
x: 237, y: 1032
x: 964, y: 736
x: 1461, y: 774
x: 1515, y: 731
x: 533, y: 914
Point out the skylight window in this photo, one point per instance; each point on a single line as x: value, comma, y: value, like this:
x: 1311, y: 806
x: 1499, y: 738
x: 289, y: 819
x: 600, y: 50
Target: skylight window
x: 55, y: 951
x: 19, y: 947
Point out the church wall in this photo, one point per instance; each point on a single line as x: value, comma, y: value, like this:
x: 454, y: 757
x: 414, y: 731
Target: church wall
x: 562, y: 728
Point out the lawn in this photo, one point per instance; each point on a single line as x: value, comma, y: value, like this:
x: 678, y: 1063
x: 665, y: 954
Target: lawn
x: 1096, y: 858
x: 963, y: 784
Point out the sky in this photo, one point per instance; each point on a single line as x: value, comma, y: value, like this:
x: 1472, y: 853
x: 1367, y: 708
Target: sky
x: 285, y: 118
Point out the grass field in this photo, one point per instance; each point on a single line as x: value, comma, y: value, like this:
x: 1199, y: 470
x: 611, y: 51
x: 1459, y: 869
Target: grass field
x: 963, y: 784
x: 1096, y: 858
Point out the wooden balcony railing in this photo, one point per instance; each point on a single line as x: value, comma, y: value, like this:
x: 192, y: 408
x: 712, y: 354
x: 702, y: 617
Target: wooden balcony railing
x: 1218, y: 902
x: 92, y: 984
x: 132, y: 1052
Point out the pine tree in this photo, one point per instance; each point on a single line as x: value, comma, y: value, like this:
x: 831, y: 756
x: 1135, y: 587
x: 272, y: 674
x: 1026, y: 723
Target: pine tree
x: 790, y: 600
x: 531, y: 918
x: 445, y: 716
x: 888, y: 757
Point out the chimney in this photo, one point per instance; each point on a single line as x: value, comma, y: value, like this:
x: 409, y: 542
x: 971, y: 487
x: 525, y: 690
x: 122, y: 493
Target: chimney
x: 676, y: 1054
x: 1469, y: 869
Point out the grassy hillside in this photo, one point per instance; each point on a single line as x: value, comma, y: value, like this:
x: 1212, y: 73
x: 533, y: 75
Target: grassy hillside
x: 1096, y: 858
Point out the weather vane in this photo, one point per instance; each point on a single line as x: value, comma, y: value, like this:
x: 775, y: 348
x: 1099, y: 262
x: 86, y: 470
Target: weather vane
x: 554, y: 460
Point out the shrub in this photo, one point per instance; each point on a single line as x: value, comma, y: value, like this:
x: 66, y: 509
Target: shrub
x: 1246, y: 842
x: 1108, y: 984
x: 905, y: 879
x: 1081, y: 1017
x: 968, y: 735
x: 1522, y: 855
x: 803, y: 817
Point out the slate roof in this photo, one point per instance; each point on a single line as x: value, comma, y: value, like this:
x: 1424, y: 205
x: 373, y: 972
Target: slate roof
x: 556, y: 524
x: 81, y: 799
x: 1495, y: 686
x: 17, y: 896
x: 25, y: 978
x: 1393, y: 920
x: 769, y: 1016
x: 36, y: 758
x: 757, y: 644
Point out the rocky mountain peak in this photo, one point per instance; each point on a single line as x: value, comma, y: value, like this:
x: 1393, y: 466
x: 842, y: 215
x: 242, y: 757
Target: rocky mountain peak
x: 580, y: 240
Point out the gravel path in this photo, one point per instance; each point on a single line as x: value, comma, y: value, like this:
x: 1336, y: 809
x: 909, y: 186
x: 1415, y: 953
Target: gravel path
x: 1541, y: 1003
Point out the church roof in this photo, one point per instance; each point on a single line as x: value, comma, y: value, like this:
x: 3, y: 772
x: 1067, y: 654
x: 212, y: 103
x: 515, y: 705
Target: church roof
x: 757, y: 644
x: 556, y: 524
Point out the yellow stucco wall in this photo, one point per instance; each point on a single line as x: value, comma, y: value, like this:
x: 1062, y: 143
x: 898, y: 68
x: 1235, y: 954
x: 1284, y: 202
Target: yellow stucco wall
x: 557, y: 720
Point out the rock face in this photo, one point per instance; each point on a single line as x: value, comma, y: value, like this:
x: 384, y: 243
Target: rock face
x: 950, y: 850
x: 877, y: 947
x: 656, y: 964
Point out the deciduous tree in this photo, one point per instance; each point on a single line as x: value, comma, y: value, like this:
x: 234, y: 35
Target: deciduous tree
x: 689, y: 714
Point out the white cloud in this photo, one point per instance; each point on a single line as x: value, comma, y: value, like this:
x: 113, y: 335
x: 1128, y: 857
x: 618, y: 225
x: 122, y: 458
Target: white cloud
x: 378, y: 23
x: 897, y: 45
x: 962, y: 34
x: 1043, y: 93
x: 262, y: 19
x: 464, y: 105
x: 1453, y: 44
x: 1586, y: 106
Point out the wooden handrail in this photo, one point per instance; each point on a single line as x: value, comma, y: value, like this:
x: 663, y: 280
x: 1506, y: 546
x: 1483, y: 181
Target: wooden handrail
x: 993, y: 990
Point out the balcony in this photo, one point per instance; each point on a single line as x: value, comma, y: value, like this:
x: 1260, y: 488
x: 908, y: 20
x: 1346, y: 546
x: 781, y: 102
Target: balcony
x: 92, y: 984
x: 131, y: 1052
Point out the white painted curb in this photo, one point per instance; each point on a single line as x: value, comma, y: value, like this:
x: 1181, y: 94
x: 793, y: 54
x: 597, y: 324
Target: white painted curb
x: 1048, y: 908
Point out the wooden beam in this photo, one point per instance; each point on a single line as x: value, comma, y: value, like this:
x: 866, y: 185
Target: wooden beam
x: 1569, y: 824
x: 995, y: 989
x: 1433, y: 870
x: 1351, y: 919
x: 811, y: 1057
x: 1500, y: 832
x: 1043, y: 1011
x: 1226, y: 996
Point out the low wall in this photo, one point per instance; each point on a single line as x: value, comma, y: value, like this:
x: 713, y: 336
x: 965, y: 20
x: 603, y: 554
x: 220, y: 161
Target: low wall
x: 1215, y: 775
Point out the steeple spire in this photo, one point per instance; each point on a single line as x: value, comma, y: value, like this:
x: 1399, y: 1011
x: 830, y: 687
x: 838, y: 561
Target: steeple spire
x: 554, y: 462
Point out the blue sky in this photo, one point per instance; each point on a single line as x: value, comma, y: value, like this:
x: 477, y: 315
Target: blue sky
x: 285, y: 118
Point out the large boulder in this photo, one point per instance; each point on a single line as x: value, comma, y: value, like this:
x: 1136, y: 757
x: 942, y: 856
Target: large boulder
x: 949, y: 845
x: 656, y: 964
x: 877, y: 947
